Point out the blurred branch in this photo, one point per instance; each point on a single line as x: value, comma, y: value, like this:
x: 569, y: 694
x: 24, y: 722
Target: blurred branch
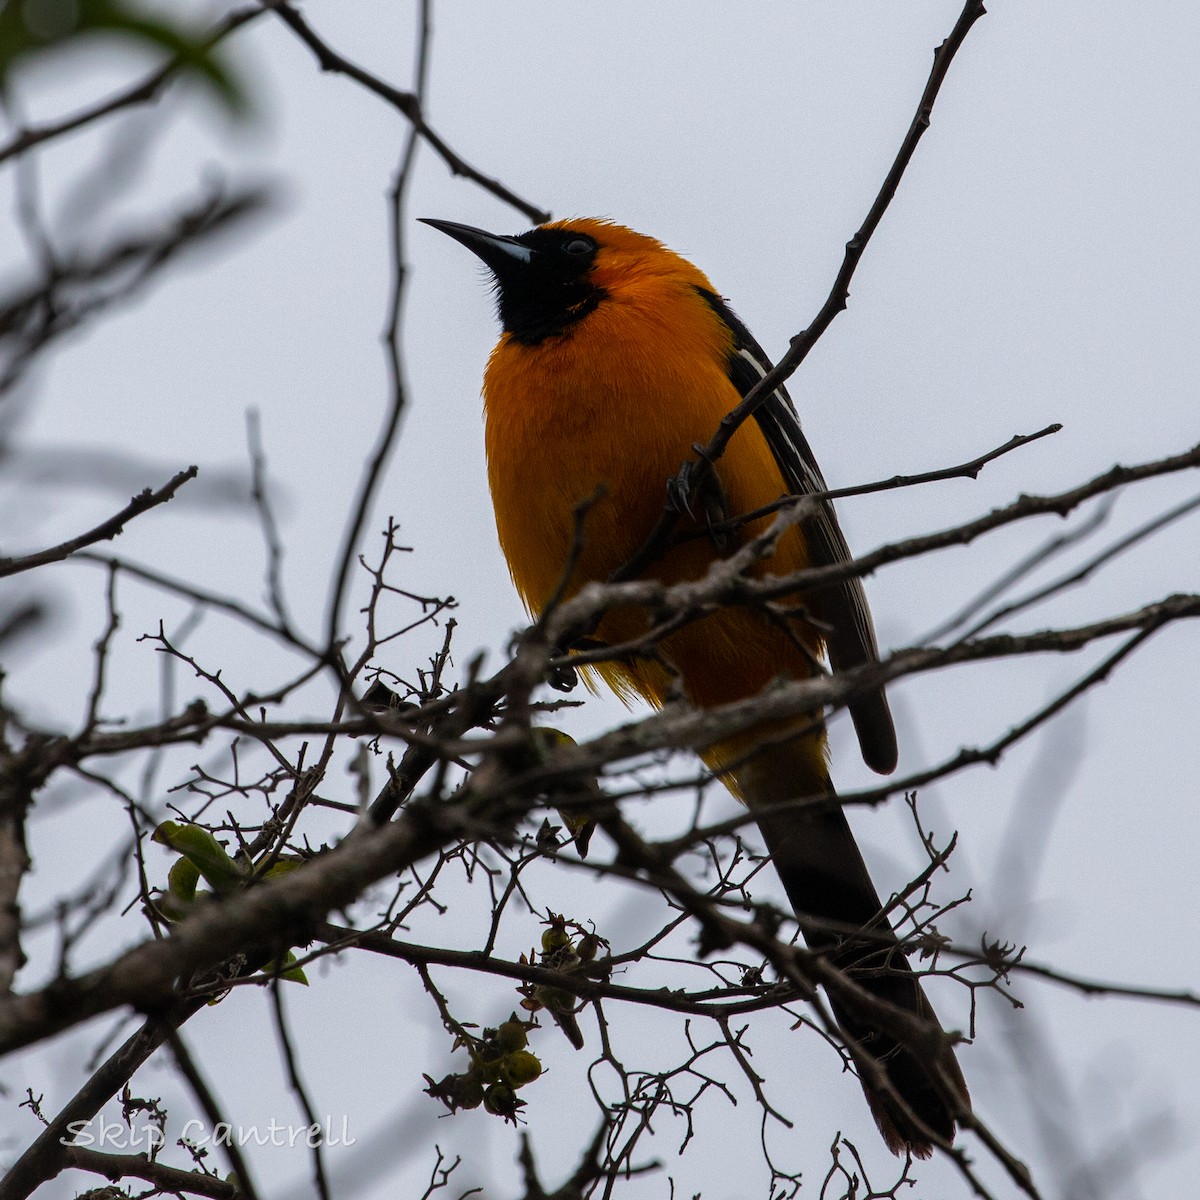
x: 14, y: 863
x: 1084, y: 572
x: 1011, y: 576
x: 270, y: 527
x: 37, y: 314
x: 16, y: 622
x: 65, y: 468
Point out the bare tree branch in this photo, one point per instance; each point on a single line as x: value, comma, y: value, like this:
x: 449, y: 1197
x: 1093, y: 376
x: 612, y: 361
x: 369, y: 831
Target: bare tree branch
x: 407, y: 103
x: 137, y: 1166
x: 105, y: 531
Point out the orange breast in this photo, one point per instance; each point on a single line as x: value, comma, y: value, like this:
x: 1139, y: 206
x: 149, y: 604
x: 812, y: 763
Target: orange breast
x: 617, y: 403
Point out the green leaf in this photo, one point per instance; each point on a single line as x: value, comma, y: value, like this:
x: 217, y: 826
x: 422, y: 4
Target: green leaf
x: 30, y: 28
x: 205, y: 853
x: 182, y: 879
x: 286, y: 971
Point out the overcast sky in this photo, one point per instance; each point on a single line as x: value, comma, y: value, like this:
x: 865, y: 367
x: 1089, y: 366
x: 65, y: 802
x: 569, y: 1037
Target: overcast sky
x: 1038, y: 265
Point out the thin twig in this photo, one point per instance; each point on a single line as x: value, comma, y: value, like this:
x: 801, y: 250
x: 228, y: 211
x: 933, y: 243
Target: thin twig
x: 410, y: 104
x: 266, y: 517
x: 191, y: 1072
x: 105, y: 531
x: 967, y: 470
x: 320, y: 1180
x: 835, y: 302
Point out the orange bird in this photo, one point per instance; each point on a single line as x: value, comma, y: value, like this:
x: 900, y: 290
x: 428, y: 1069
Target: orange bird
x: 617, y: 357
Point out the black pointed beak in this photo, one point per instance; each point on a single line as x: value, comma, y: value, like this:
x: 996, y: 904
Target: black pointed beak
x: 499, y: 252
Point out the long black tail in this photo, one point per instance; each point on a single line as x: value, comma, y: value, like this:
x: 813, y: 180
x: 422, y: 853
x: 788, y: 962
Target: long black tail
x: 823, y: 873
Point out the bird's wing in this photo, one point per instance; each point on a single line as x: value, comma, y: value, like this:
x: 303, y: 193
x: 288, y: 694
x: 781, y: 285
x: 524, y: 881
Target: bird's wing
x: 842, y: 606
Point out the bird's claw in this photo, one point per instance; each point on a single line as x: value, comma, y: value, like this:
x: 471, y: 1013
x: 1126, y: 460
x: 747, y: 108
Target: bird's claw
x: 563, y: 678
x: 679, y: 491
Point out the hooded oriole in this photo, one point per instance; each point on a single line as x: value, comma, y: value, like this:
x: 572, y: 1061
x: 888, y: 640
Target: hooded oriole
x: 617, y: 357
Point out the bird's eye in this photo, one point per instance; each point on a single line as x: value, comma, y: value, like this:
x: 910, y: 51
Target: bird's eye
x: 579, y: 247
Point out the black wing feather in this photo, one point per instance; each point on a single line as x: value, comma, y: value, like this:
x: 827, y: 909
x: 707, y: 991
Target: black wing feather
x: 842, y: 606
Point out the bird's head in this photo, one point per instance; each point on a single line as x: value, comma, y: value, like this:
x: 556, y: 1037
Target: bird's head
x: 550, y: 278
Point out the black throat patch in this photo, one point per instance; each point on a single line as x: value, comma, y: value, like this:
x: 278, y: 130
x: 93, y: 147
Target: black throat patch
x: 553, y: 291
